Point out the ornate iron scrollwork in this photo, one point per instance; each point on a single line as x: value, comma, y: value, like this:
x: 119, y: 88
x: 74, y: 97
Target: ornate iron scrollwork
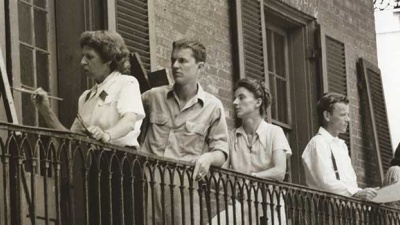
x: 386, y: 4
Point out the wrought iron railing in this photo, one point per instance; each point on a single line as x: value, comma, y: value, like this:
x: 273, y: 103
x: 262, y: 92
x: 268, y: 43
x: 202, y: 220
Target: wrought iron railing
x: 386, y: 4
x: 52, y: 177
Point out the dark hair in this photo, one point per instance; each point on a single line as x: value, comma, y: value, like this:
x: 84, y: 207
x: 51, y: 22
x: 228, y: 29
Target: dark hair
x: 110, y: 46
x: 396, y: 159
x: 327, y: 102
x: 259, y: 90
x: 199, y: 51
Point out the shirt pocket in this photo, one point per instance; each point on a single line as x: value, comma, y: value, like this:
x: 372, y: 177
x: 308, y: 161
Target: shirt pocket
x: 193, y: 138
x: 159, y: 129
x: 105, y: 114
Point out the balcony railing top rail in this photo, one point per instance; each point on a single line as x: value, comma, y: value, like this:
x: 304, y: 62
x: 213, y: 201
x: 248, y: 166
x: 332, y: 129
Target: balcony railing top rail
x: 54, y: 177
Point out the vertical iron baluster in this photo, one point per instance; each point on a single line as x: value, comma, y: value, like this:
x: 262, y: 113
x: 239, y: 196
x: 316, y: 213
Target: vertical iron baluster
x: 182, y: 192
x: 110, y: 197
x: 120, y: 194
x: 98, y: 170
x: 191, y: 193
x: 172, y: 192
x: 162, y: 189
x: 86, y: 171
x: 46, y: 191
x: 5, y: 159
x: 57, y: 180
x: 200, y: 191
x: 207, y: 190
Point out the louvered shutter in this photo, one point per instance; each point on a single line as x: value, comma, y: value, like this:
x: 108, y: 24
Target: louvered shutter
x: 133, y: 25
x: 336, y: 77
x: 253, y: 48
x: 371, y: 83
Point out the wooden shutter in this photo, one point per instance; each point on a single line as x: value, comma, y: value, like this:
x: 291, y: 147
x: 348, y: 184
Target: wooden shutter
x: 133, y: 25
x: 371, y: 85
x: 336, y: 69
x: 250, y: 22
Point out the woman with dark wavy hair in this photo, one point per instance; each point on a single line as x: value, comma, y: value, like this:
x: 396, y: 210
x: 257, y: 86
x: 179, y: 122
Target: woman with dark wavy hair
x: 393, y: 173
x: 112, y: 110
x: 257, y: 148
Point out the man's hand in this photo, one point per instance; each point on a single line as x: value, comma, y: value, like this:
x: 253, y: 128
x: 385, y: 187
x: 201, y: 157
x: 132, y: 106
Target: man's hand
x: 366, y: 194
x: 203, y: 164
x: 99, y: 134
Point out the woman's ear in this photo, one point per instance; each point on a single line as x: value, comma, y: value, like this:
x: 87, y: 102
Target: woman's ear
x: 258, y: 102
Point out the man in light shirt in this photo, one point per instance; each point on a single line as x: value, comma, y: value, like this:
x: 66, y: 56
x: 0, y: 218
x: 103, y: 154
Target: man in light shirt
x: 326, y: 158
x: 188, y: 124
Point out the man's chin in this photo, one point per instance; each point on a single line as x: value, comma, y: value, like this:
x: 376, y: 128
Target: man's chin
x: 180, y: 81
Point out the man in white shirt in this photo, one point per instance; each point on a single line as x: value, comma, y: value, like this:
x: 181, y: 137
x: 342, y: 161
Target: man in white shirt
x: 326, y: 158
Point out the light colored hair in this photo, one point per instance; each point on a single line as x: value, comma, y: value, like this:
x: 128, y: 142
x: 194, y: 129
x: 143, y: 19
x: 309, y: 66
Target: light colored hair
x: 199, y: 51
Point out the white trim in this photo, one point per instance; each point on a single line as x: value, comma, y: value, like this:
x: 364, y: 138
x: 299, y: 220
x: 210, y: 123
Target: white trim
x: 111, y: 15
x: 240, y: 42
x: 152, y: 35
x: 15, y: 57
x: 2, y: 28
x: 52, y: 46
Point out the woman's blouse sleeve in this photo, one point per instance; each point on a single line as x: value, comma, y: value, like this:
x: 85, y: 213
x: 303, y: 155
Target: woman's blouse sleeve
x: 130, y: 99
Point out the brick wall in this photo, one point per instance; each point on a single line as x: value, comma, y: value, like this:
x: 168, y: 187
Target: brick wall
x: 351, y: 22
x: 208, y: 22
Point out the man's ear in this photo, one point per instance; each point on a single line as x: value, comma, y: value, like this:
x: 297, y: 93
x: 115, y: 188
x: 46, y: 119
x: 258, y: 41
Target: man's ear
x: 200, y: 65
x: 327, y: 116
x: 258, y: 102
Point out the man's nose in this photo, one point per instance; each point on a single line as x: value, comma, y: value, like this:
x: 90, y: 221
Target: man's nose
x: 175, y: 64
x: 83, y: 61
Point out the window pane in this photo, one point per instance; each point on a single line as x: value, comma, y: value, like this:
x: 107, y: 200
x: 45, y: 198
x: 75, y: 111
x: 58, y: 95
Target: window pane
x: 42, y: 70
x: 279, y: 44
x: 41, y: 29
x: 273, y: 95
x: 26, y: 62
x: 25, y: 23
x: 28, y: 111
x: 269, y: 51
x: 281, y: 100
x: 40, y: 3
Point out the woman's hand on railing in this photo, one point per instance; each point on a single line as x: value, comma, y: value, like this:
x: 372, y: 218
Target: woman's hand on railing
x: 99, y: 134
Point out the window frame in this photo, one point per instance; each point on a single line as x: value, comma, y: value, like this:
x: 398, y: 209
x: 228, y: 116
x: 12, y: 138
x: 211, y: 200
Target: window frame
x: 13, y: 54
x: 302, y: 27
x: 274, y: 29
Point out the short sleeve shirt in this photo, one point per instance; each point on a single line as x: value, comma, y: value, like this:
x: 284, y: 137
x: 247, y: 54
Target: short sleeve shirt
x: 257, y: 156
x: 186, y: 133
x: 106, y: 103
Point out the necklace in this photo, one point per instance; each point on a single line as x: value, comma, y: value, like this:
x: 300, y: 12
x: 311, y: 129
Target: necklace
x: 250, y: 141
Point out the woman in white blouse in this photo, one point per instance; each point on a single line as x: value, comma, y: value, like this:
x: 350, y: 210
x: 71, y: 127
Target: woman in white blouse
x: 112, y: 110
x: 257, y: 148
